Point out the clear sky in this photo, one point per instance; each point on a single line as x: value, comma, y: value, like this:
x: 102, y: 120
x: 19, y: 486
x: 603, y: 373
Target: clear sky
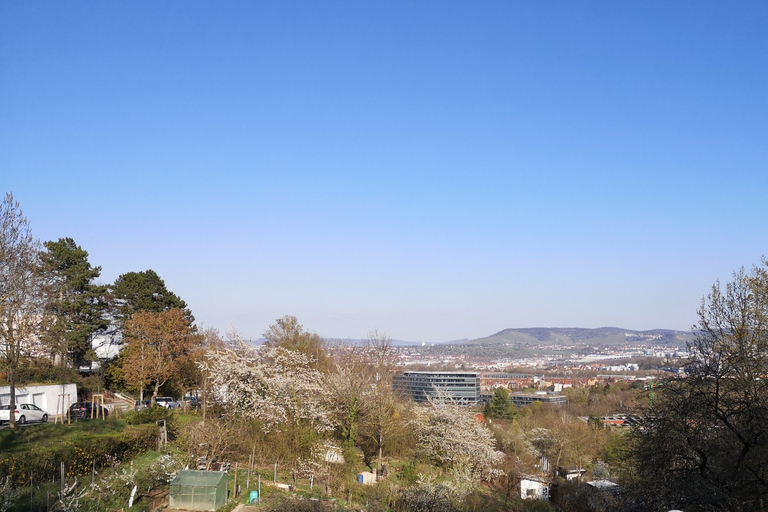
x: 435, y: 170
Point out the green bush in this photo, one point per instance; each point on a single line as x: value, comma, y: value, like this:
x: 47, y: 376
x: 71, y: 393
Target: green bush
x: 150, y: 415
x: 408, y: 473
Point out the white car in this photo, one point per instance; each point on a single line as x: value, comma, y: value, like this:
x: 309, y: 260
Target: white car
x: 167, y: 402
x: 23, y: 414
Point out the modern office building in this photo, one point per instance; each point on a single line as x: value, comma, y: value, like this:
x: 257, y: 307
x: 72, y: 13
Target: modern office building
x: 521, y: 399
x: 458, y: 387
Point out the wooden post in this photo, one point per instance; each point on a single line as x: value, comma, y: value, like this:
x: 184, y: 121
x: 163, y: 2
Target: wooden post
x: 97, y: 401
x: 248, y: 476
x: 62, y: 409
x: 235, y: 493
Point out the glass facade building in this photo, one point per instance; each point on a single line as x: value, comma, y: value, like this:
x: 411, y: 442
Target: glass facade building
x: 458, y: 387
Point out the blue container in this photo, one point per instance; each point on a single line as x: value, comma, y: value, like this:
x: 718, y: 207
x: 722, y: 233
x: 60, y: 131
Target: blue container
x: 254, y: 496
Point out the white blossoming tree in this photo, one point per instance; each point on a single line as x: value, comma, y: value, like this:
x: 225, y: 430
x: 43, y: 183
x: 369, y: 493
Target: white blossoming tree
x: 451, y: 436
x: 271, y: 384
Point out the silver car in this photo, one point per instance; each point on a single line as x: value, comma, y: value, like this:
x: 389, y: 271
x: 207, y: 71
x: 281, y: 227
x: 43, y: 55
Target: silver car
x: 167, y: 402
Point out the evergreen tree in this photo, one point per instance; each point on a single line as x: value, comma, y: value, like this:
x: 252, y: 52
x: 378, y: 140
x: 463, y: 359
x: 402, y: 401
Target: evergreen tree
x: 500, y: 406
x: 144, y: 291
x: 76, y: 306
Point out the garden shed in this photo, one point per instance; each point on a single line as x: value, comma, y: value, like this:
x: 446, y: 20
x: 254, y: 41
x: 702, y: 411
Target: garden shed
x: 198, y: 490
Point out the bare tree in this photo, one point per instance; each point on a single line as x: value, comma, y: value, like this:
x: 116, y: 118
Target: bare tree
x: 22, y: 292
x: 288, y: 333
x: 382, y: 356
x: 704, y: 444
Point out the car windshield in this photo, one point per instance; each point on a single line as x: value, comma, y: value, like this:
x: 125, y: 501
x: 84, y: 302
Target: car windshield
x: 5, y: 407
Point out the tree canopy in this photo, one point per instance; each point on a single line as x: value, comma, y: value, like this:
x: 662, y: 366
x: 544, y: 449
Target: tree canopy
x: 144, y: 291
x: 159, y: 343
x: 288, y: 333
x: 500, y: 406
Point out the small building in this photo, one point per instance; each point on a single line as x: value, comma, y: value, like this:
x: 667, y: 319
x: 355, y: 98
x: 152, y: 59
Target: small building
x: 532, y: 487
x: 199, y: 490
x: 571, y: 473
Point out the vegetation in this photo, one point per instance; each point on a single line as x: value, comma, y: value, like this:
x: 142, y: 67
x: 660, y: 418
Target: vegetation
x: 705, y: 441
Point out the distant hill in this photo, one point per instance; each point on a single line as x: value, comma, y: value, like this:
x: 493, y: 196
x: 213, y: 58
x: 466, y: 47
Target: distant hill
x: 570, y: 335
x: 349, y: 341
x: 526, y: 342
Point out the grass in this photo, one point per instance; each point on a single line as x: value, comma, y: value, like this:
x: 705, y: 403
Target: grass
x: 49, y: 435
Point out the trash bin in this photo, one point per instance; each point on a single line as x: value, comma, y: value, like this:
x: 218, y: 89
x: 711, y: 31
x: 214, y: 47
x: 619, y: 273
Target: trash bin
x: 253, y: 497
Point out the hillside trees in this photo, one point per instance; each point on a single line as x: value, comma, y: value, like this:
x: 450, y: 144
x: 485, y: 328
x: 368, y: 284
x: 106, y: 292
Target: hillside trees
x: 132, y: 293
x: 76, y: 305
x: 382, y: 418
x: 365, y: 408
x: 705, y: 441
x: 22, y: 292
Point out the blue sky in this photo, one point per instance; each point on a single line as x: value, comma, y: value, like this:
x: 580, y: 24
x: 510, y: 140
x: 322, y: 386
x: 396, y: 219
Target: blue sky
x: 433, y: 170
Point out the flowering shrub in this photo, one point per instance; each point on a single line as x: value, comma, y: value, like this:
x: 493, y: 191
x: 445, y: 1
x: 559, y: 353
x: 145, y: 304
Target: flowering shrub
x: 163, y: 470
x: 8, y: 495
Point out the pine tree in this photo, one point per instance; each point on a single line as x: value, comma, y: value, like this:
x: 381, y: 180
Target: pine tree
x: 77, y: 306
x: 144, y: 291
x: 500, y: 406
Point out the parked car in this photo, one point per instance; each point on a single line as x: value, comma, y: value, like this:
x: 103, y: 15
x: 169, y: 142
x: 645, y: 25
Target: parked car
x: 86, y: 411
x: 23, y: 414
x: 167, y: 402
x: 138, y: 406
x: 191, y: 402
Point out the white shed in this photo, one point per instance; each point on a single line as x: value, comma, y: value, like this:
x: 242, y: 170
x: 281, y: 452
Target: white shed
x: 532, y: 487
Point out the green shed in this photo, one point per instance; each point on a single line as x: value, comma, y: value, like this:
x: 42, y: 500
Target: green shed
x: 199, y: 490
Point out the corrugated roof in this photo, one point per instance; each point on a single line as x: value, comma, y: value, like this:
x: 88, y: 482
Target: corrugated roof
x: 199, y: 478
